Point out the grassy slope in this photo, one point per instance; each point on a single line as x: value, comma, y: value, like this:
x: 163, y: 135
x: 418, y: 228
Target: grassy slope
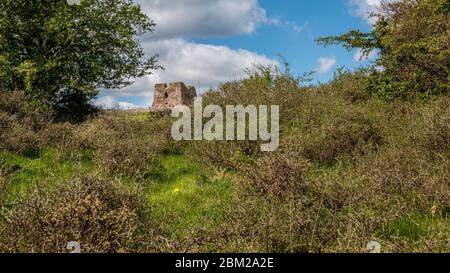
x: 27, y: 171
x: 185, y: 198
x: 189, y: 199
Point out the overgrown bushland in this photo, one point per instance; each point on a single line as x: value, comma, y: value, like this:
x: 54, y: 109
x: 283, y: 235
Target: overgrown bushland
x: 99, y: 209
x: 21, y: 124
x: 279, y: 175
x: 102, y: 214
x: 351, y: 168
x: 122, y: 145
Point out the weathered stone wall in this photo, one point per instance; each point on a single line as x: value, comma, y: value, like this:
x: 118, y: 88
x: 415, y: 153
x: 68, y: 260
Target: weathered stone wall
x: 167, y: 96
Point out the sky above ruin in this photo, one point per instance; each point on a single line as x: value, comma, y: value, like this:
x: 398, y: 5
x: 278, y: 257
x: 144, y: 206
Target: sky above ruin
x: 208, y: 42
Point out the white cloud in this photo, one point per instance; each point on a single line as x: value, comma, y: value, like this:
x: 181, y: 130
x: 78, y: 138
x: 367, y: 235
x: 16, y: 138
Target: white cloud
x: 110, y: 102
x: 204, y: 64
x: 359, y: 57
x: 363, y: 8
x: 204, y: 18
x: 200, y: 65
x: 105, y: 102
x: 325, y: 64
x: 196, y: 64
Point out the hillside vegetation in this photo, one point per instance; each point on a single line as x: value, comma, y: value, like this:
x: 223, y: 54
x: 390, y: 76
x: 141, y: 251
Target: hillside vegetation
x: 351, y: 168
x: 364, y: 157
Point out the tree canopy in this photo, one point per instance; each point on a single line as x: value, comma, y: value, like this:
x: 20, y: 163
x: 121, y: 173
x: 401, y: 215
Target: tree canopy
x: 61, y: 54
x: 413, y: 41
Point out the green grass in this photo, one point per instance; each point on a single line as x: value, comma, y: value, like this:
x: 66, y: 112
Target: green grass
x: 137, y: 116
x: 185, y: 197
x: 27, y: 171
x: 415, y: 227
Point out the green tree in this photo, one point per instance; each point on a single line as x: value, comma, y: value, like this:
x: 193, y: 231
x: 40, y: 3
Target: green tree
x: 413, y: 41
x: 62, y: 54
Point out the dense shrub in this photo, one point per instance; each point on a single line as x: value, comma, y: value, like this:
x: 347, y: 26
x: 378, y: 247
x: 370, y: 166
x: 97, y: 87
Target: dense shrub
x: 121, y: 144
x: 413, y: 38
x: 350, y: 169
x: 125, y: 146
x: 436, y: 131
x: 339, y: 136
x: 100, y: 214
x: 351, y: 84
x: 407, y: 171
x: 277, y: 175
x: 20, y: 123
x: 264, y: 86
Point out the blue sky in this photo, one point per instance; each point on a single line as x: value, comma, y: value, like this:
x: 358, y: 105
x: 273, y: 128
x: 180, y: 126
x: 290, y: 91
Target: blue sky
x: 207, y: 42
x: 301, y: 23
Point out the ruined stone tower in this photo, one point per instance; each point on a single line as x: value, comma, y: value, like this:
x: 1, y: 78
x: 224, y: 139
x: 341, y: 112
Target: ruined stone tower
x: 167, y: 96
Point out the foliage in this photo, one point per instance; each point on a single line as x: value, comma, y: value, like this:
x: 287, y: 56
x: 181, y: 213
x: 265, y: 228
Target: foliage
x: 412, y: 38
x: 62, y: 54
x: 124, y: 146
x: 98, y: 213
x: 21, y: 124
x: 350, y: 169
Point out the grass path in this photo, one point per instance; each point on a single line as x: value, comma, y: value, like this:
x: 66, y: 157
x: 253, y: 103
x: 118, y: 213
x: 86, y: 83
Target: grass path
x: 186, y: 198
x: 27, y: 171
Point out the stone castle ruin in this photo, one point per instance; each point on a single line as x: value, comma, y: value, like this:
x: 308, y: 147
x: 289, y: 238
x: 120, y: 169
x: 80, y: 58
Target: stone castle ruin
x: 167, y: 96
